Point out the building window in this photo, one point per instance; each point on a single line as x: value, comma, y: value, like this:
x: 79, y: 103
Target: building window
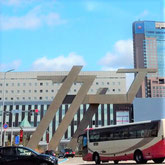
x: 107, y: 83
x: 41, y: 84
x: 35, y: 91
x: 40, y: 91
x: 97, y: 83
x: 74, y: 90
x: 52, y: 90
x: 113, y: 90
x: 40, y: 98
x: 24, y: 84
x: 47, y: 91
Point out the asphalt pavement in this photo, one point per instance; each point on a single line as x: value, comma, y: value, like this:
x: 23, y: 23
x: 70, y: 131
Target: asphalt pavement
x: 79, y: 161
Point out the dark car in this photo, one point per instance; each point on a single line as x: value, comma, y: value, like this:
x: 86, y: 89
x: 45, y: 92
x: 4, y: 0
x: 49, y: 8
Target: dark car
x: 67, y: 152
x: 16, y: 155
x: 50, y: 152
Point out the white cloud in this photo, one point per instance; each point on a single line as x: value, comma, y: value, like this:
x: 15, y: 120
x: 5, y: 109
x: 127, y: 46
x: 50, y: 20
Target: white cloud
x: 16, y: 3
x: 31, y: 20
x: 13, y: 65
x: 91, y: 5
x: 120, y: 57
x: 142, y: 15
x: 11, y: 2
x: 59, y: 63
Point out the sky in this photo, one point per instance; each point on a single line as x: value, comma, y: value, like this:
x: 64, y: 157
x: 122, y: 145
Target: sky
x: 54, y: 35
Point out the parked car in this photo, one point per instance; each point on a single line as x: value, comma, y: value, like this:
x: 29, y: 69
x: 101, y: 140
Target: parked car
x: 50, y: 152
x: 67, y: 152
x: 16, y: 155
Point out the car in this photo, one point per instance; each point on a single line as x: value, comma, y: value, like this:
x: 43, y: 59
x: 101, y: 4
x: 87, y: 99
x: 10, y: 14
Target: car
x: 50, y: 152
x: 16, y: 155
x: 67, y: 152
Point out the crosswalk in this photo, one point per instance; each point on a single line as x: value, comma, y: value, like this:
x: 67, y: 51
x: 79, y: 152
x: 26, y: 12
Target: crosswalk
x: 62, y: 161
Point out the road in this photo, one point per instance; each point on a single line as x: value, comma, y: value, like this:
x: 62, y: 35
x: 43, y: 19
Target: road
x: 79, y: 161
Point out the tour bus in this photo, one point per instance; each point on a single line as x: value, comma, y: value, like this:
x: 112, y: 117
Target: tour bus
x: 140, y: 141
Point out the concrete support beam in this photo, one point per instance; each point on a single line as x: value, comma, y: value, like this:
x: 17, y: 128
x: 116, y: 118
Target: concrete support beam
x: 132, y: 91
x: 53, y: 108
x: 88, y: 80
x: 81, y: 98
x: 93, y: 108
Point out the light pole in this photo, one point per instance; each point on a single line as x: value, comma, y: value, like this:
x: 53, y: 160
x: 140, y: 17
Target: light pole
x: 12, y: 124
x: 3, y: 103
x: 13, y: 115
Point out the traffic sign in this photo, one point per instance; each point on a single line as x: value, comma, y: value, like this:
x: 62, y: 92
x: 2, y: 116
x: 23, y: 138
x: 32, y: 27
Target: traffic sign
x: 17, y: 140
x: 16, y: 111
x: 5, y: 126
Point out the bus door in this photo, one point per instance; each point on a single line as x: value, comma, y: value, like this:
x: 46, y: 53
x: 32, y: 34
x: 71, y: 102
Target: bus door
x: 82, y: 144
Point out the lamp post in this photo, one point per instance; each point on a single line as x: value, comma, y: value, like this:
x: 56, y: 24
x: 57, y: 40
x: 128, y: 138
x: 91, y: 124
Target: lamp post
x: 3, y: 103
x: 13, y: 115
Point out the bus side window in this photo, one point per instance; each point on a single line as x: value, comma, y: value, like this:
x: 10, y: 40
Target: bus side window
x: 96, y: 137
x: 132, y: 132
x: 154, y: 133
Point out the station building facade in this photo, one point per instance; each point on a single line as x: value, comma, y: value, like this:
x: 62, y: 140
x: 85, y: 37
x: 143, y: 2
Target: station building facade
x: 23, y: 92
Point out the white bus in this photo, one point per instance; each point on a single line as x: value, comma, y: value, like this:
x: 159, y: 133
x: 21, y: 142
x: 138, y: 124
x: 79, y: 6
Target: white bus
x: 139, y: 141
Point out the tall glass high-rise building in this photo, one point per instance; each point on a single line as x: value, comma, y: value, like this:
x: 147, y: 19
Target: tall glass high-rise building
x: 149, y: 52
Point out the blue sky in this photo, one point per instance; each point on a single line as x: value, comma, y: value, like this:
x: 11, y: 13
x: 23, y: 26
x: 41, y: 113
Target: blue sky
x: 48, y: 35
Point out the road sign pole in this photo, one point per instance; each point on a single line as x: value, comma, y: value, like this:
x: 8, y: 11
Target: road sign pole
x: 4, y: 137
x: 5, y: 126
x: 11, y: 129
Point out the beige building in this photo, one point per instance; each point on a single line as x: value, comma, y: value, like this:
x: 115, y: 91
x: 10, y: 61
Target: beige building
x: 24, y: 92
x: 24, y: 86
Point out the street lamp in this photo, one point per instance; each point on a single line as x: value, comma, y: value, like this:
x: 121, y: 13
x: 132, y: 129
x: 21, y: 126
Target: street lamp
x: 12, y: 112
x: 3, y: 103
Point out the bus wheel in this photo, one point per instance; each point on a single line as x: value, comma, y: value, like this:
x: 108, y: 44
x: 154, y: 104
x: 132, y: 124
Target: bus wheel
x: 138, y: 156
x: 96, y: 158
x: 116, y: 161
x: 158, y: 160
